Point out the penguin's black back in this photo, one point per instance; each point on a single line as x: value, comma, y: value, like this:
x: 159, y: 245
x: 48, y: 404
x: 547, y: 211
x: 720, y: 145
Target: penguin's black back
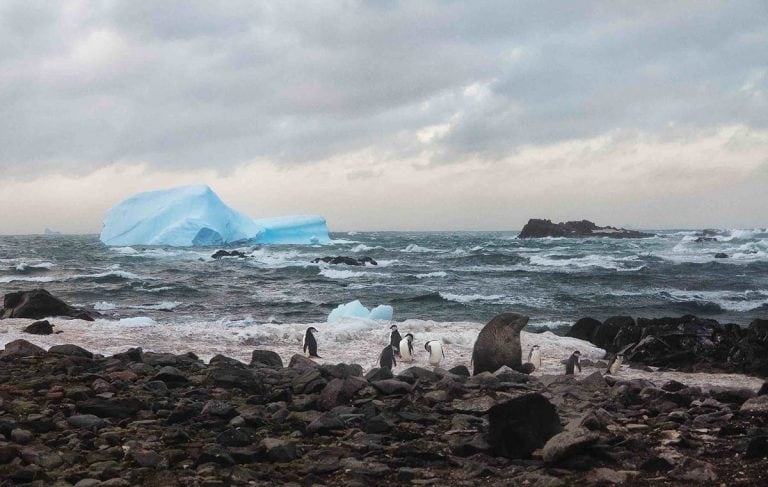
x: 387, y: 358
x: 394, y: 339
x: 311, y: 344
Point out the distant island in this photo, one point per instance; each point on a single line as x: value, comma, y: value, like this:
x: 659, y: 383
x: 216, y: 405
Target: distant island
x: 539, y: 228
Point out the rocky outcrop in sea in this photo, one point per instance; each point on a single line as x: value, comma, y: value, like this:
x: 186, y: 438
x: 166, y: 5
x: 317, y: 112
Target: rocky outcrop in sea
x: 539, y: 228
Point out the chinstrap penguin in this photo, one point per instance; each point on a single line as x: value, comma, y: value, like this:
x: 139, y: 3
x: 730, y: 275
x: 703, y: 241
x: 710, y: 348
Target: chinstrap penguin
x: 406, y: 348
x: 395, y: 339
x: 573, y: 361
x: 387, y: 358
x: 436, y: 352
x: 534, y: 357
x: 310, y: 343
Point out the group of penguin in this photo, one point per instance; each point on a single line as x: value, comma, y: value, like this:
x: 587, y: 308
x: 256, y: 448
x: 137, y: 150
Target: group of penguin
x: 398, y: 347
x: 402, y: 347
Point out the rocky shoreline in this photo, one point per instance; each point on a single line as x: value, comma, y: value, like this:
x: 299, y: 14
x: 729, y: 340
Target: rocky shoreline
x: 69, y: 417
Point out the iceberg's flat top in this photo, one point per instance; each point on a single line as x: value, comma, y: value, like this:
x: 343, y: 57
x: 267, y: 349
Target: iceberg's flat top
x: 195, y: 215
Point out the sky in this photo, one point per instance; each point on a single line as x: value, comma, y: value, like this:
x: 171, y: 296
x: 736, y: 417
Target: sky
x: 387, y: 115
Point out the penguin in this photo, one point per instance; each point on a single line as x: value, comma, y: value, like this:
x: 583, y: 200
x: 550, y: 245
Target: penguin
x: 534, y: 357
x: 406, y: 348
x: 395, y: 339
x: 573, y: 361
x: 436, y: 353
x: 387, y: 358
x: 615, y: 364
x: 310, y: 343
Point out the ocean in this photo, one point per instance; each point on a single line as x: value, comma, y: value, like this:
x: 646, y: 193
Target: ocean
x: 438, y: 276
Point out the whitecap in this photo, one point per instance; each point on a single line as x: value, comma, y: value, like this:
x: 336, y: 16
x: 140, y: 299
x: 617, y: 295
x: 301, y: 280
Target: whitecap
x: 138, y: 321
x: 7, y: 279
x: 104, y: 306
x: 466, y: 298
x: 430, y: 274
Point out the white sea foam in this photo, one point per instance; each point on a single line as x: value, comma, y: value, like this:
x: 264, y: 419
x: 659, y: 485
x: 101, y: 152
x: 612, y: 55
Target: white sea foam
x: 345, y: 274
x: 104, y: 306
x: 600, y: 261
x: 138, y: 321
x: 364, y: 248
x: 112, y: 273
x: 346, y: 341
x: 467, y: 298
x: 7, y: 279
x: 22, y: 266
x: 162, y: 306
x: 728, y: 300
x: 431, y: 274
x: 413, y: 248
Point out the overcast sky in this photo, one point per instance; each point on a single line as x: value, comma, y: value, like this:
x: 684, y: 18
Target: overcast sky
x: 386, y: 115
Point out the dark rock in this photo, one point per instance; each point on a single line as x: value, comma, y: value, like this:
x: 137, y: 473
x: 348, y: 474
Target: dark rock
x: 325, y: 424
x: 22, y: 348
x: 279, y: 450
x: 757, y: 448
x: 302, y: 362
x: 378, y: 425
x: 39, y: 328
x: 520, y: 425
x: 341, y: 371
x: 721, y: 255
x: 229, y: 377
x: 568, y: 443
x: 757, y: 406
x: 604, y: 335
x: 224, y: 361
x: 266, y: 357
x: 70, y: 350
x: 340, y: 392
x: 236, y: 437
x: 376, y: 374
x: 308, y: 382
x: 392, y: 387
x: 759, y: 327
x: 219, y: 408
x: 86, y: 421
x: 673, y: 386
x: 213, y: 454
x: 234, y: 253
x: 763, y: 389
x: 170, y: 375
x: 412, y: 374
x: 111, y: 408
x: 583, y: 329
x: 38, y: 304
x: 345, y: 260
x: 460, y: 370
x: 8, y: 453
x: 146, y: 458
x: 538, y: 228
x: 693, y: 470
x: 731, y: 396
x: 656, y: 464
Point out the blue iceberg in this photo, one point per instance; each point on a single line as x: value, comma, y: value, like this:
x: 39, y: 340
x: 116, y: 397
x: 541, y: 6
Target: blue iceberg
x: 355, y: 309
x: 196, y: 216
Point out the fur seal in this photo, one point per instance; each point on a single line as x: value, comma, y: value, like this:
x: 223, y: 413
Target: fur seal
x: 498, y: 344
x: 436, y: 352
x: 615, y: 364
x: 387, y: 358
x: 534, y: 357
x: 573, y: 361
x: 406, y: 348
x: 310, y: 343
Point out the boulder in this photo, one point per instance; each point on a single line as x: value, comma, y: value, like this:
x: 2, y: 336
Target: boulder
x: 22, y: 348
x: 223, y: 253
x: 584, y: 329
x: 39, y: 328
x: 721, y: 255
x: 38, y: 304
x: 339, y: 392
x: 520, y: 425
x: 70, y: 351
x: 568, y: 443
x: 301, y: 362
x: 267, y: 358
x: 229, y: 377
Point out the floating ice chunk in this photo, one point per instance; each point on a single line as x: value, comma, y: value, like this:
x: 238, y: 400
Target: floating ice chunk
x: 195, y: 215
x: 355, y: 309
x: 382, y: 312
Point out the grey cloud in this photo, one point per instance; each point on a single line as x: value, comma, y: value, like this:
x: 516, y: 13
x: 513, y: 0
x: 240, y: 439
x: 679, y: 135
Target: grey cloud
x: 213, y: 84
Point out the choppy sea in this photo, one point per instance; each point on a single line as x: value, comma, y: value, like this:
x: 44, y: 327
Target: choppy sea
x: 437, y: 276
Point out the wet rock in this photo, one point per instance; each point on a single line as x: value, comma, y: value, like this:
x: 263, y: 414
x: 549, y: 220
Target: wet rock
x: 86, y: 421
x: 22, y: 436
x: 308, y: 382
x: 366, y: 468
x: 757, y: 448
x: 111, y: 408
x: 302, y: 362
x: 412, y: 374
x: 70, y: 350
x: 520, y: 425
x: 146, y: 458
x: 39, y: 328
x: 755, y: 406
x: 279, y: 450
x: 763, y: 389
x: 224, y: 253
x: 345, y: 260
x: 339, y: 392
x: 568, y: 443
x: 731, y: 395
x: 38, y: 304
x: 341, y: 371
x: 325, y: 424
x: 376, y: 374
x: 267, y: 358
x: 218, y: 408
x: 170, y: 375
x: 22, y: 348
x: 657, y: 464
x: 460, y: 370
x: 583, y: 329
x: 721, y: 255
x: 8, y: 453
x: 392, y: 387
x: 693, y: 470
x: 229, y: 377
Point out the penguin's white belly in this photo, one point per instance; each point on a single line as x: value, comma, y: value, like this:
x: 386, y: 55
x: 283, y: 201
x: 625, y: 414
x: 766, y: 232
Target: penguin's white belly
x: 536, y: 359
x: 405, y: 354
x: 436, y: 353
